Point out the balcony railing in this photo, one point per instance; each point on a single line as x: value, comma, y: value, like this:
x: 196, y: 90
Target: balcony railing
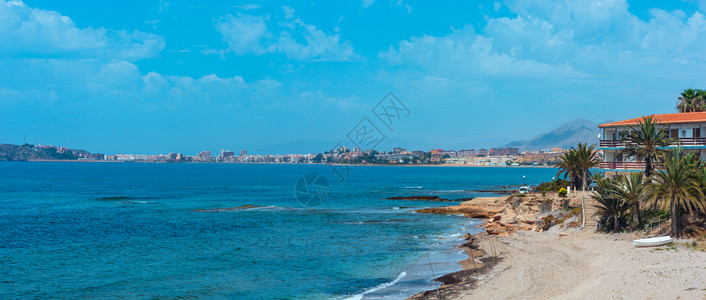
x: 625, y: 165
x: 693, y: 141
x: 700, y: 141
x: 613, y: 143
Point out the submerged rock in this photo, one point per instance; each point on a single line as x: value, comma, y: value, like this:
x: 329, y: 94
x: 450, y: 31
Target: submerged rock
x: 426, y: 198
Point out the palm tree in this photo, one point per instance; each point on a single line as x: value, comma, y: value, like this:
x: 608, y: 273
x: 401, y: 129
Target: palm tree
x: 687, y: 101
x: 630, y: 188
x: 646, y: 141
x: 611, y: 209
x: 700, y: 100
x: 568, y: 167
x: 586, y: 159
x: 677, y: 187
x: 576, y: 163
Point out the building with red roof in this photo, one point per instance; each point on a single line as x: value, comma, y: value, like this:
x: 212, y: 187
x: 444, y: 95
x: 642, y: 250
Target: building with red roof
x: 688, y: 128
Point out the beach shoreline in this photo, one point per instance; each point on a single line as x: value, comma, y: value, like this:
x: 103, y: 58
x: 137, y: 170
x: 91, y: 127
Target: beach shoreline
x: 267, y: 163
x: 574, y: 264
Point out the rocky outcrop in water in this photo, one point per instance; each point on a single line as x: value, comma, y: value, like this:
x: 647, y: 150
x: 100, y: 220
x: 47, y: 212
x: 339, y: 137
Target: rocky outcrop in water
x: 427, y: 198
x: 481, y: 207
x: 507, y: 214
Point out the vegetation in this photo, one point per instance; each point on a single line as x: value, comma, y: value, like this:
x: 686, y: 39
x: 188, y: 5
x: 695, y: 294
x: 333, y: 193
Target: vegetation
x: 692, y: 100
x: 612, y: 210
x: 30, y: 152
x: 646, y: 142
x: 562, y: 192
x: 553, y: 186
x: 630, y: 189
x: 678, y: 187
x: 576, y: 164
x: 674, y: 190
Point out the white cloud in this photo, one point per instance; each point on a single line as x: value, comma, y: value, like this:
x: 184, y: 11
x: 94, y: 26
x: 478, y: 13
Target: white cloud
x: 367, y: 3
x: 121, y: 83
x: 244, y: 34
x: 575, y: 39
x: 467, y: 54
x: 249, y: 34
x: 31, y: 32
x: 249, y: 6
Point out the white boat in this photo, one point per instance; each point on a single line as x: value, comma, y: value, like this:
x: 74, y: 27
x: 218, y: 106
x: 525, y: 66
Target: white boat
x: 654, y: 241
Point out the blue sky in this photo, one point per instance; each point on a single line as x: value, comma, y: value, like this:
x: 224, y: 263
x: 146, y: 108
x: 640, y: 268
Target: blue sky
x: 186, y: 76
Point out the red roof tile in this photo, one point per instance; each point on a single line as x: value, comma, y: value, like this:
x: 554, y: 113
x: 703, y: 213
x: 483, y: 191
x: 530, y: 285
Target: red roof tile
x: 693, y: 117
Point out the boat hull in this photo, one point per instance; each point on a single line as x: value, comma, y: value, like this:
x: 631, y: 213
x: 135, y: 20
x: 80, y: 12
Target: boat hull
x: 651, y: 242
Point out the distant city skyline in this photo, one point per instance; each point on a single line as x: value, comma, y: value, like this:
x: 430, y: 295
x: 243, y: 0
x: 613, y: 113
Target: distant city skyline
x: 172, y: 76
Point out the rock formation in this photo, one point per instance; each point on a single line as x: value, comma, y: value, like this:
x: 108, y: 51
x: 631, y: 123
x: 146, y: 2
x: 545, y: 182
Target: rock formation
x: 507, y: 214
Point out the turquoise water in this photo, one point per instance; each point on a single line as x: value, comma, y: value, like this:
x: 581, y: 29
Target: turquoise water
x: 126, y: 230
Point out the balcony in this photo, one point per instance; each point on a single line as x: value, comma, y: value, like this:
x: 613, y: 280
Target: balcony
x: 693, y: 141
x: 700, y: 141
x: 625, y: 165
x: 622, y: 165
x: 612, y: 144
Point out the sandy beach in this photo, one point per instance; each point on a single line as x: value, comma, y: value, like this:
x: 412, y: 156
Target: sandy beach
x: 572, y: 264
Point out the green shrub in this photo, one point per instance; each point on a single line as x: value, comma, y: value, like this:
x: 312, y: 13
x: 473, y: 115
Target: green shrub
x: 563, y: 192
x: 552, y: 186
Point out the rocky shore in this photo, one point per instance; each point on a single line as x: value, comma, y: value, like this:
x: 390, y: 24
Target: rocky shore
x: 507, y: 214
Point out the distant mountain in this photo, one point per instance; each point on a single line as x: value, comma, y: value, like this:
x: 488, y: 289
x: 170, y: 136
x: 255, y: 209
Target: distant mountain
x: 564, y: 136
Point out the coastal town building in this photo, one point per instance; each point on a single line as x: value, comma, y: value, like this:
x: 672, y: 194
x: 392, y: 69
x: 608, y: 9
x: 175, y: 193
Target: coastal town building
x: 689, y: 129
x: 504, y: 151
x: 204, y: 155
x: 418, y: 153
x: 467, y: 153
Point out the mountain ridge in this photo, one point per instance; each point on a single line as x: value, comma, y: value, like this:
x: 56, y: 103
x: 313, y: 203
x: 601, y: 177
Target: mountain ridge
x: 565, y: 136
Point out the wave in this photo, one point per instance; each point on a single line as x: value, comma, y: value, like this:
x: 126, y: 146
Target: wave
x: 412, y: 187
x: 138, y: 202
x: 448, y: 191
x: 378, y: 287
x: 240, y: 208
x: 124, y: 198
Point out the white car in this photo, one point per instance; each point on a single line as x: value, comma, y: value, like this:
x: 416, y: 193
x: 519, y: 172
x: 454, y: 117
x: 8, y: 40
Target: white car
x: 524, y: 189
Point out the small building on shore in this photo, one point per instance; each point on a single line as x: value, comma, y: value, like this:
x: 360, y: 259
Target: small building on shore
x: 688, y: 128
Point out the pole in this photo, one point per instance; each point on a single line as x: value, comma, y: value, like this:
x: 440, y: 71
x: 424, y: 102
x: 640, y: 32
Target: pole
x: 436, y: 283
x: 583, y: 214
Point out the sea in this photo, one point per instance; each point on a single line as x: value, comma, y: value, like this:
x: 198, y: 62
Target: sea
x: 233, y: 231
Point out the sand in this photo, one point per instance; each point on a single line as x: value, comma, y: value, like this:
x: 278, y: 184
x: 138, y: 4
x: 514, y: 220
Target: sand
x: 583, y: 265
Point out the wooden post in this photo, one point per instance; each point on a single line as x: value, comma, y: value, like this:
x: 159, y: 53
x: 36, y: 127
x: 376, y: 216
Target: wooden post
x: 583, y: 211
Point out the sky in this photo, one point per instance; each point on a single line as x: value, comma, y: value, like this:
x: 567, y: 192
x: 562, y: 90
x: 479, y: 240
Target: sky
x: 150, y: 77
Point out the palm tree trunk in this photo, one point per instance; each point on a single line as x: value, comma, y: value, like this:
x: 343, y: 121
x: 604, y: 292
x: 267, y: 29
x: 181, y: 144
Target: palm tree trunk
x: 675, y: 219
x: 616, y: 224
x: 585, y: 174
x: 636, y: 213
x: 648, y: 166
